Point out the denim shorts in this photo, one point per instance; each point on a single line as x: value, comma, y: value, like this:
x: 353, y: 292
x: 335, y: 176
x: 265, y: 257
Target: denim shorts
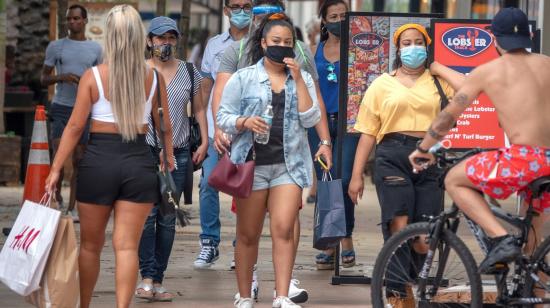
x: 59, y: 116
x: 268, y: 176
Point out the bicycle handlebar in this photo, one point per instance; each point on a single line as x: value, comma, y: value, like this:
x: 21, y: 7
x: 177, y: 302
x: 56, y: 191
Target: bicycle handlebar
x: 446, y: 158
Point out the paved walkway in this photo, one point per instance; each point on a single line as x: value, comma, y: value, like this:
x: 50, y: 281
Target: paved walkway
x: 216, y: 287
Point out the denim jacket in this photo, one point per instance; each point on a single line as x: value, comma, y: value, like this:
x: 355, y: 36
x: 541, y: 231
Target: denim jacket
x: 246, y: 94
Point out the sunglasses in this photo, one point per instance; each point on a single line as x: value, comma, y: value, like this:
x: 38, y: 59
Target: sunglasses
x: 236, y: 9
x: 331, y: 74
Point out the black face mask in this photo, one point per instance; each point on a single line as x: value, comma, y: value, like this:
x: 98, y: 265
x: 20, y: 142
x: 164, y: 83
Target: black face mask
x: 278, y: 53
x: 333, y: 27
x: 164, y: 52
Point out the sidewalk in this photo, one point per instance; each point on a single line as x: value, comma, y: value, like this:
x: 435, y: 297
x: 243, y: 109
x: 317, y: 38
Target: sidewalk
x: 217, y: 286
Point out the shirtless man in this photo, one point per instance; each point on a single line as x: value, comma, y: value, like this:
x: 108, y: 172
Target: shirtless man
x: 518, y: 85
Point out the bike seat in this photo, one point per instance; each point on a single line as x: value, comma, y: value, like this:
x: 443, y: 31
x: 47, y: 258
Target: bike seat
x: 539, y: 186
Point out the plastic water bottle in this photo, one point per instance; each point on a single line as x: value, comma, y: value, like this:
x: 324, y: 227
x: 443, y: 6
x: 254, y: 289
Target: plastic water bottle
x: 267, y: 116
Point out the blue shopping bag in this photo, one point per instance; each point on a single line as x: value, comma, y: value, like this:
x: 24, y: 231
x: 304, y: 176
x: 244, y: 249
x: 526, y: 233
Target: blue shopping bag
x: 330, y: 214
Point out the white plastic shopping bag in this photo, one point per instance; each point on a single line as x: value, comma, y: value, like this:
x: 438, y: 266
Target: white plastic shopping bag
x: 27, y: 248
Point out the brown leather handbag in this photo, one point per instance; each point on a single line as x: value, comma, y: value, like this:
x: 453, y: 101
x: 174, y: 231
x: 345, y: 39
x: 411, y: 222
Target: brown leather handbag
x: 233, y: 179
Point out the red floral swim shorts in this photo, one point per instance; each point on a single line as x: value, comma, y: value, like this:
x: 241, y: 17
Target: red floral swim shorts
x: 508, y: 170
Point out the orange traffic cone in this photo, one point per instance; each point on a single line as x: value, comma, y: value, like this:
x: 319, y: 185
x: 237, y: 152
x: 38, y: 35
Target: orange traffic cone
x: 38, y: 166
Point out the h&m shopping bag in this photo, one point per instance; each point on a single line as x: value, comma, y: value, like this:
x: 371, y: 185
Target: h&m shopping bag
x: 330, y: 214
x: 25, y: 252
x: 60, y: 287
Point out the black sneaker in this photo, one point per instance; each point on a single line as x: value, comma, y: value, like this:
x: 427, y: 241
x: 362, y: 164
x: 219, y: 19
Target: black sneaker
x: 504, y: 249
x: 208, y: 254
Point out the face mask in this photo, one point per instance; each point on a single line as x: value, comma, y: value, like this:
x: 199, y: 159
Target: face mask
x: 334, y: 28
x: 278, y: 53
x: 413, y: 56
x: 164, y: 52
x: 240, y: 20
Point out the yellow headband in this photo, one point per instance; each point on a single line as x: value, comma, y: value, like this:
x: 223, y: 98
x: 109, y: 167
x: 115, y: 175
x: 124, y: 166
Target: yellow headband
x: 411, y: 26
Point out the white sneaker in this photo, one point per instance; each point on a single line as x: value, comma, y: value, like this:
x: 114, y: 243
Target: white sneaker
x: 295, y: 294
x: 254, y: 289
x: 284, y: 302
x: 244, y: 303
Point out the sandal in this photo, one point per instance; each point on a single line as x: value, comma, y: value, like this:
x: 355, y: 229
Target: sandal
x: 144, y: 291
x: 162, y: 295
x: 324, y: 261
x: 348, y: 258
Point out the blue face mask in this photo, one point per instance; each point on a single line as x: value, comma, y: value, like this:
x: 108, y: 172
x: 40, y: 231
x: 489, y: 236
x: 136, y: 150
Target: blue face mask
x: 413, y: 56
x: 240, y: 20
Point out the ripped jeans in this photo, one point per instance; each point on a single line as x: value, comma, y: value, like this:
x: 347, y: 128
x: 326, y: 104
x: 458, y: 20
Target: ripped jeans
x: 400, y: 191
x: 404, y: 193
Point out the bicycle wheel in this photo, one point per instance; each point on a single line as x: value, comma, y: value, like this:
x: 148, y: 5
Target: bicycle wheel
x: 541, y: 269
x: 398, y: 266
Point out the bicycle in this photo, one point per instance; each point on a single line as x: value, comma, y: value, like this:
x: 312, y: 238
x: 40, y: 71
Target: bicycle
x: 417, y: 264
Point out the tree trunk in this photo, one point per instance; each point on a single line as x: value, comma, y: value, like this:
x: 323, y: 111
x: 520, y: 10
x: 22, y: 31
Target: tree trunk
x: 184, y: 28
x: 161, y: 8
x: 62, y: 6
x: 2, y: 63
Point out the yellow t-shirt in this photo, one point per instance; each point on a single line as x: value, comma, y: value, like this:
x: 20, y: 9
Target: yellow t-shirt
x: 389, y: 106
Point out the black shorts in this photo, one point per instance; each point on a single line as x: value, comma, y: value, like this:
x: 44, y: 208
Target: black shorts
x: 114, y: 170
x: 59, y: 116
x: 400, y: 191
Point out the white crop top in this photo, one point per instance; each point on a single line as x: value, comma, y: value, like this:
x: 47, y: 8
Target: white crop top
x: 101, y: 110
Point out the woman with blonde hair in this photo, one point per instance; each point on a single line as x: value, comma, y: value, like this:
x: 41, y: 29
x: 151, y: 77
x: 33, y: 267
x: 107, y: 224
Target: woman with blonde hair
x: 117, y: 154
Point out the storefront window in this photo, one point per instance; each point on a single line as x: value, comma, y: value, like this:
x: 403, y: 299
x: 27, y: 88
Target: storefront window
x: 365, y: 5
x: 451, y: 9
x: 425, y: 6
x: 487, y: 9
x: 396, y: 6
x: 533, y: 10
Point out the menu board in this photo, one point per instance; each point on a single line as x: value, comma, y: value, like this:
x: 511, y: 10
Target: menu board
x: 463, y: 45
x: 368, y: 52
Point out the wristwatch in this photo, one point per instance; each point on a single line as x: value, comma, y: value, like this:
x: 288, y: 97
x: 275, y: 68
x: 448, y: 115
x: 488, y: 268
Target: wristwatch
x: 325, y: 142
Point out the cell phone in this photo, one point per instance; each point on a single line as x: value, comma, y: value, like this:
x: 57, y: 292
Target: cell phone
x: 322, y: 162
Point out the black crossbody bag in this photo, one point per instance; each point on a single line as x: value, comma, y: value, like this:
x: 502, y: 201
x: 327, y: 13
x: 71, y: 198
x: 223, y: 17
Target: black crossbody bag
x: 195, y: 139
x: 444, y: 101
x: 170, y: 194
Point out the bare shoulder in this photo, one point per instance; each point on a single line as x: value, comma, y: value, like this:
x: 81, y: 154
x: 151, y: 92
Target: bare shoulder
x: 541, y: 59
x: 87, y: 79
x: 486, y: 71
x: 489, y: 67
x: 313, y: 48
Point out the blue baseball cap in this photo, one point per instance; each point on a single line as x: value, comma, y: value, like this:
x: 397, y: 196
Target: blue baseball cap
x: 162, y: 24
x: 511, y: 29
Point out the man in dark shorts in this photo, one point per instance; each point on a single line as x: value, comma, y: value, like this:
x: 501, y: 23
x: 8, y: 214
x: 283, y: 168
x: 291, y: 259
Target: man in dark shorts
x: 517, y: 84
x: 70, y: 56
